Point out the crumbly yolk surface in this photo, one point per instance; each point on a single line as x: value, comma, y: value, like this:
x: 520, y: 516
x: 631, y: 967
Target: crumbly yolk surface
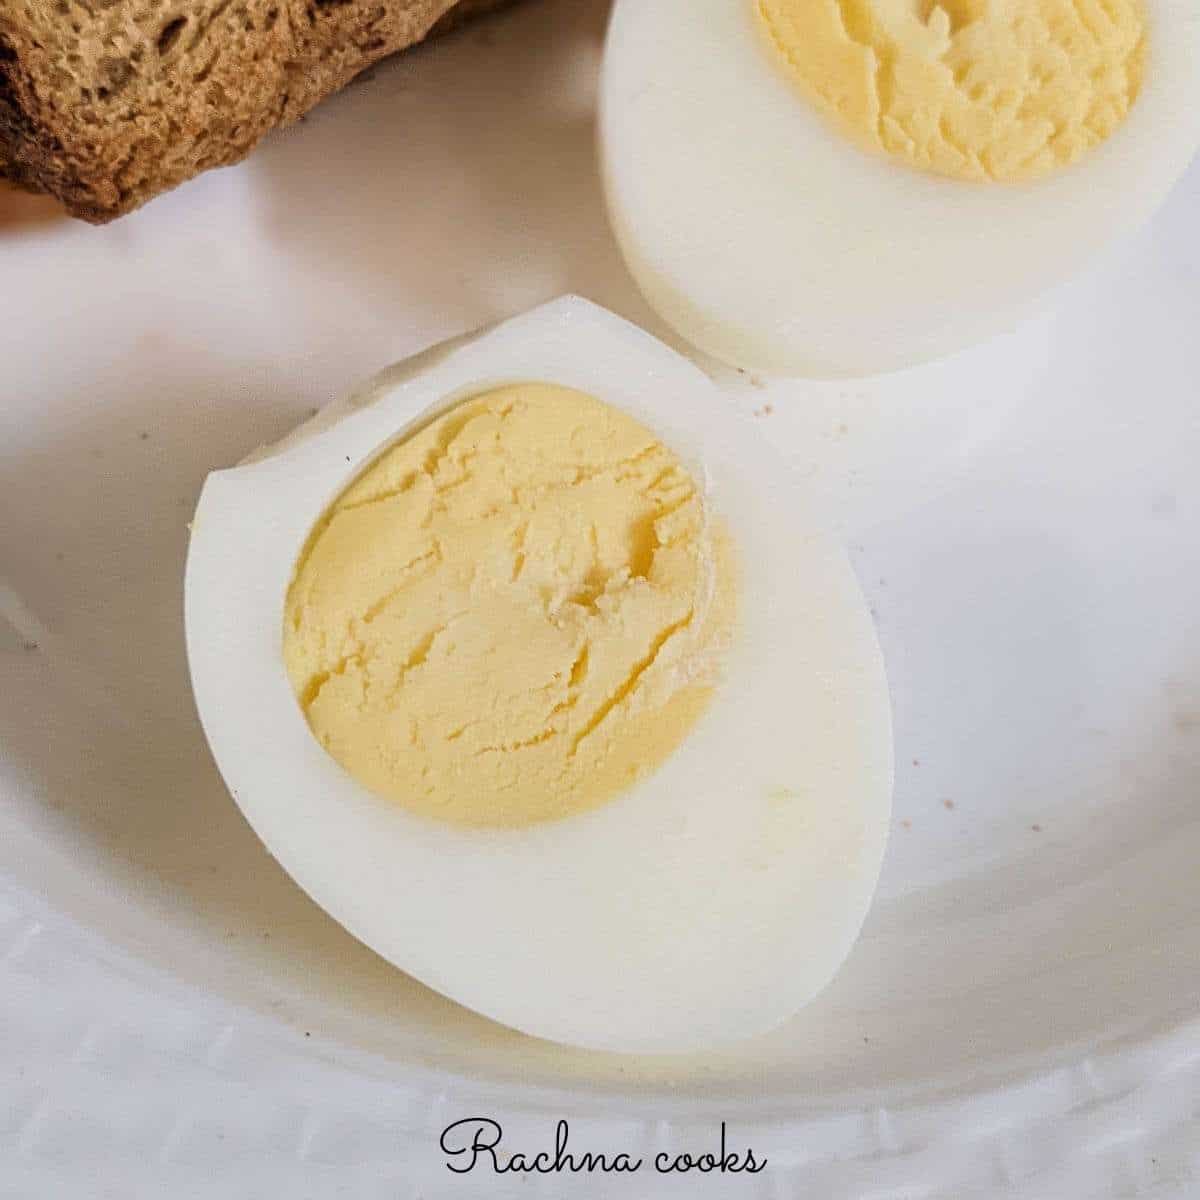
x: 1002, y: 90
x: 513, y: 614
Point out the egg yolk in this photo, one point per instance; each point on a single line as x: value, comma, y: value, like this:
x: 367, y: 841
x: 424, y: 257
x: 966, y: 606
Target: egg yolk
x: 513, y: 614
x: 1000, y: 90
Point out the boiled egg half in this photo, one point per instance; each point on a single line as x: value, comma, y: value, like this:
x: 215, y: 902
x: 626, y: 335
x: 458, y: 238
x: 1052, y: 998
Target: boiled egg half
x: 832, y: 187
x: 530, y: 666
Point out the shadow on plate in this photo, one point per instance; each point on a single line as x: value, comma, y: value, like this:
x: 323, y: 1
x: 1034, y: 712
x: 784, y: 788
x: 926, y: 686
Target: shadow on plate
x: 460, y: 179
x: 21, y: 211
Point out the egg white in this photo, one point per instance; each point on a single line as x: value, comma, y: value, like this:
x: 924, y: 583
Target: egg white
x: 771, y: 241
x: 707, y: 903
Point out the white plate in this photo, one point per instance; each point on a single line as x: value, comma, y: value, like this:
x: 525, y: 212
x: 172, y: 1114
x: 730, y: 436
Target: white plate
x: 1024, y: 516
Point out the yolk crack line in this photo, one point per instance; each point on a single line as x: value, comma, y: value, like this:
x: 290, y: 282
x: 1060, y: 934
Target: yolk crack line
x: 625, y: 690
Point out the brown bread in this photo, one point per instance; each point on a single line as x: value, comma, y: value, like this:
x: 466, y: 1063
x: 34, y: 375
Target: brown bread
x: 106, y: 103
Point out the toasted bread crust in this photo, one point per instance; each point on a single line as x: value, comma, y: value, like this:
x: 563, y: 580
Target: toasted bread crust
x: 106, y: 103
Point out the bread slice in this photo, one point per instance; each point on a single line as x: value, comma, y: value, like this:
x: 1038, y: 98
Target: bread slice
x: 106, y: 103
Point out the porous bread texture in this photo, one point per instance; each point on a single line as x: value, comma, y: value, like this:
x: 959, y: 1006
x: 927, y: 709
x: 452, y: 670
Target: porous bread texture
x: 106, y: 103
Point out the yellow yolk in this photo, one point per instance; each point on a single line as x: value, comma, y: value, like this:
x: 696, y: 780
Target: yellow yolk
x: 1003, y: 90
x: 514, y: 613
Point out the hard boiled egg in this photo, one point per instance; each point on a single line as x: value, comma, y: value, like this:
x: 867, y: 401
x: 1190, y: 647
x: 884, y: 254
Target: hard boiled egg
x: 705, y: 900
x: 847, y: 186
